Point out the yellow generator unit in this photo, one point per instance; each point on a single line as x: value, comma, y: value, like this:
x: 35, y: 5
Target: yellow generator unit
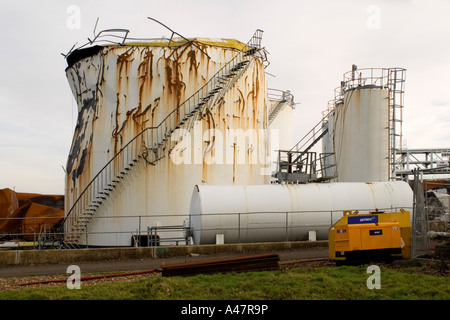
x: 370, y: 237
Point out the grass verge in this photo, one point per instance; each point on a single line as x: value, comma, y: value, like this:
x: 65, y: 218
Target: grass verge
x: 322, y: 283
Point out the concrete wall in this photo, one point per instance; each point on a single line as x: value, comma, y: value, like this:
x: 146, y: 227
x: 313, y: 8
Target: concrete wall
x: 26, y: 257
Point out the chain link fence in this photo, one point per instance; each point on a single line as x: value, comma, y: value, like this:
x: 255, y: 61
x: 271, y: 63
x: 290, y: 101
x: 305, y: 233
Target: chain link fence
x: 431, y: 218
x: 430, y: 226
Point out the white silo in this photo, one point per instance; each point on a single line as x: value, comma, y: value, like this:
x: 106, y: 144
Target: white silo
x: 365, y: 125
x: 361, y: 135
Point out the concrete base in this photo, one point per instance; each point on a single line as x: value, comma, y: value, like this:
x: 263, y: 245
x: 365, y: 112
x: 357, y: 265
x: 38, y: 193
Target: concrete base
x: 442, y: 252
x: 54, y: 256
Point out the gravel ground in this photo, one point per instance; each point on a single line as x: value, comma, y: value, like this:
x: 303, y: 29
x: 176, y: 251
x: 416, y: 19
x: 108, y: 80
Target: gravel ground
x: 12, y: 276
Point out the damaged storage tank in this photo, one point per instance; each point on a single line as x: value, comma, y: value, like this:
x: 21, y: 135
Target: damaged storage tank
x: 288, y: 212
x: 155, y: 119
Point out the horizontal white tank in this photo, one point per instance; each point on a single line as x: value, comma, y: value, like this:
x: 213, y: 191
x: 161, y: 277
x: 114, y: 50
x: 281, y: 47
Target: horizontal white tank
x: 267, y: 213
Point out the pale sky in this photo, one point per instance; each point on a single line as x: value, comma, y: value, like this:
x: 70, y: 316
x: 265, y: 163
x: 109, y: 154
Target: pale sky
x: 311, y: 45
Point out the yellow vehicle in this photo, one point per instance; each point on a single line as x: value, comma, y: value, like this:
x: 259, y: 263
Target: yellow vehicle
x: 370, y: 237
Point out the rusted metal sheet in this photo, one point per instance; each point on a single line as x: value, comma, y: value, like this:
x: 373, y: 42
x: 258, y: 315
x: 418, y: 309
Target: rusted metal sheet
x: 35, y: 219
x: 257, y: 262
x: 8, y: 204
x: 49, y: 200
x: 24, y: 215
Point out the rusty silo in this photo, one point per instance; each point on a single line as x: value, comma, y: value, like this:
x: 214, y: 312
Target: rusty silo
x: 156, y: 118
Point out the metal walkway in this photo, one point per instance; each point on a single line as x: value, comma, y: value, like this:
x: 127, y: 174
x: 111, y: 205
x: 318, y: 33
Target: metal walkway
x: 434, y: 161
x: 301, y: 165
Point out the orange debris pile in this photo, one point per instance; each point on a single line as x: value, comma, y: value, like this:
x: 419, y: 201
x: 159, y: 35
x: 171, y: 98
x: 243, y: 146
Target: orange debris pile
x: 27, y: 214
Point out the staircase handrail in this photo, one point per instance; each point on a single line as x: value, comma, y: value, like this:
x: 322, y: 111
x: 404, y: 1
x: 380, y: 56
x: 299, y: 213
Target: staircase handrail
x: 298, y: 146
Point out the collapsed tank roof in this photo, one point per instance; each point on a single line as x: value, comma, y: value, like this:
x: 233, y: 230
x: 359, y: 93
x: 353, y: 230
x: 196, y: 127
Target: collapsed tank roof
x: 81, y: 53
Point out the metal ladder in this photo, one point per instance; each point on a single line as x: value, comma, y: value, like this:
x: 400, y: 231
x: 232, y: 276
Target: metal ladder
x: 148, y: 145
x: 395, y: 84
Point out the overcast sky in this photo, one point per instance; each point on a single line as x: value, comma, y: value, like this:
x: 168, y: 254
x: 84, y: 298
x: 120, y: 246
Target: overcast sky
x: 311, y: 45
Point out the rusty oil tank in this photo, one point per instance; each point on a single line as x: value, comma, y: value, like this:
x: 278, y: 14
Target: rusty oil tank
x: 155, y: 119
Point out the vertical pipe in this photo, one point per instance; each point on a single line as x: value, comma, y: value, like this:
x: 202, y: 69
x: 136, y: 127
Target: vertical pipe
x: 239, y: 227
x: 287, y: 225
x: 139, y: 232
x: 289, y: 162
x: 413, y: 227
x: 331, y: 218
x: 34, y: 229
x: 234, y: 163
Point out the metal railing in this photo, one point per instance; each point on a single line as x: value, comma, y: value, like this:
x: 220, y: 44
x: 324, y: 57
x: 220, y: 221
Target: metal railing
x: 304, y: 166
x: 26, y: 232
x: 301, y: 159
x: 110, y: 36
x: 370, y: 77
x: 154, y: 237
x: 281, y: 97
x: 427, y: 161
x: 179, y: 228
x: 312, y: 137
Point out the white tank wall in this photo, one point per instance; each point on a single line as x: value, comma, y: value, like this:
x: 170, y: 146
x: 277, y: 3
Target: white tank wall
x: 283, y: 124
x: 281, y: 129
x: 265, y: 213
x: 328, y: 148
x: 361, y: 136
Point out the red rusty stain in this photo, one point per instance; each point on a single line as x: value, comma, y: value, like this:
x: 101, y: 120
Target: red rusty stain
x: 175, y: 85
x: 193, y: 65
x: 145, y: 77
x: 208, y: 144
